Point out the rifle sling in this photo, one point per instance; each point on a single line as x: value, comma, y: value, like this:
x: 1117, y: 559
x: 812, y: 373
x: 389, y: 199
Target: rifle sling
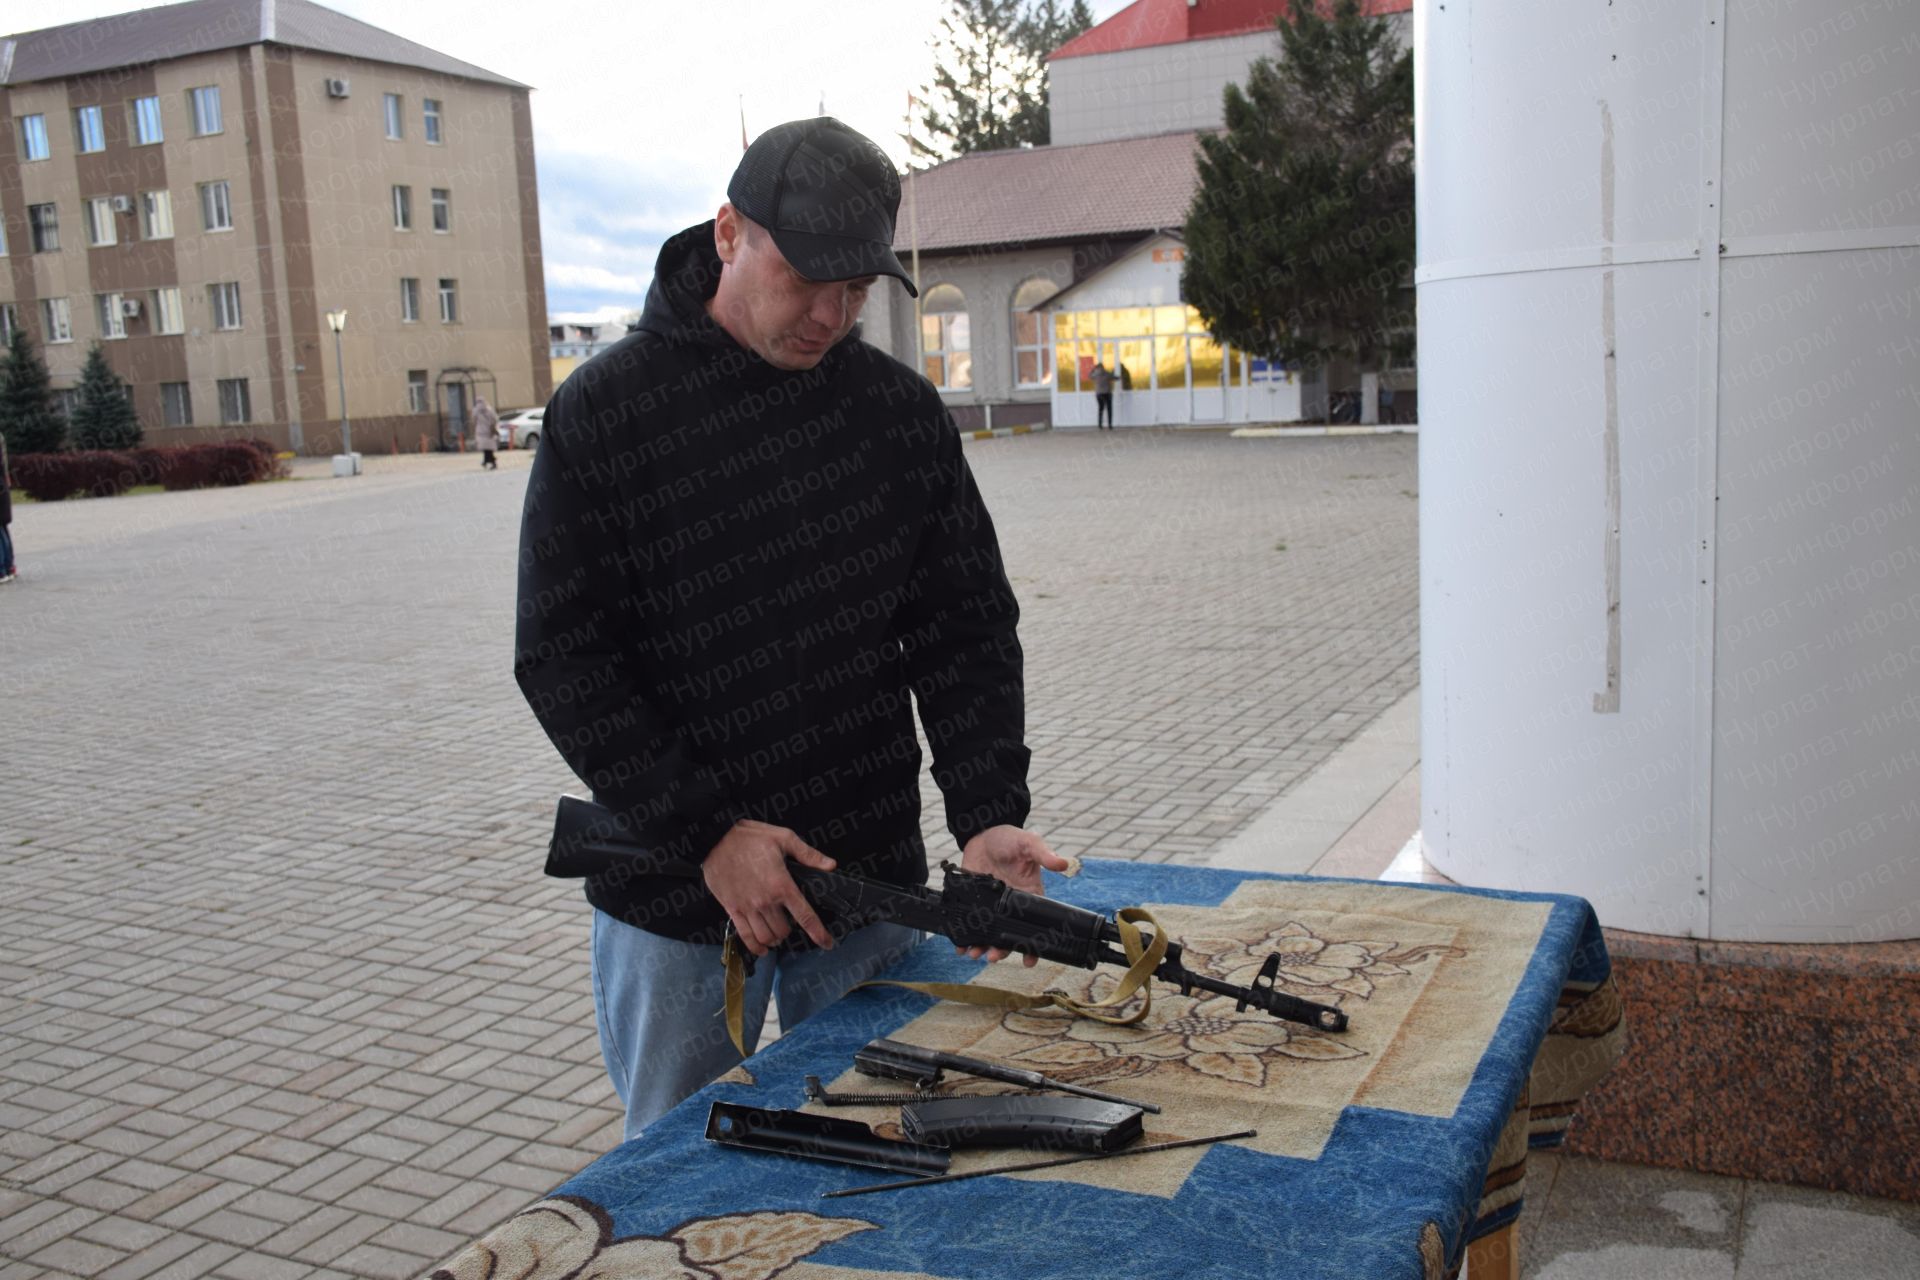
x: 1142, y: 960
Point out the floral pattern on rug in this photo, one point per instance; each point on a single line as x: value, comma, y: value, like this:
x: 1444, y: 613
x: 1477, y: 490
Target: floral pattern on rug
x: 568, y: 1238
x: 1204, y: 1033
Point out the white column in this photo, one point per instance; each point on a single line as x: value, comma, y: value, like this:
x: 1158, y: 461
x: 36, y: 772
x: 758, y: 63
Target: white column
x: 1669, y: 298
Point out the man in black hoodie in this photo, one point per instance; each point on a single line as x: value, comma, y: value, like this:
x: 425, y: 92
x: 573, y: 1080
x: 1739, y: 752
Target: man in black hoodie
x: 748, y: 535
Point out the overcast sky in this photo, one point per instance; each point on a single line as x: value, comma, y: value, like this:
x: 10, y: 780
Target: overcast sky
x: 636, y: 103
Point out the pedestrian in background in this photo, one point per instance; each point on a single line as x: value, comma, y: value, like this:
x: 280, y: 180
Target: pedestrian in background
x: 486, y: 433
x: 1102, y: 397
x: 7, y: 572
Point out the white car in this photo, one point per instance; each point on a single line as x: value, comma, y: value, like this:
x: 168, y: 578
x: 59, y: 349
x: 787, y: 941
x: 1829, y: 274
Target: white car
x: 522, y: 430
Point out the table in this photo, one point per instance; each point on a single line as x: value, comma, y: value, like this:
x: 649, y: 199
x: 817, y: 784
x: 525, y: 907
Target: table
x: 1478, y: 1018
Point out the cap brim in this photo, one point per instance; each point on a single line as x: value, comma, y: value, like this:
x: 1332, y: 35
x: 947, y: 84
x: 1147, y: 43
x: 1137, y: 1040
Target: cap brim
x: 825, y: 257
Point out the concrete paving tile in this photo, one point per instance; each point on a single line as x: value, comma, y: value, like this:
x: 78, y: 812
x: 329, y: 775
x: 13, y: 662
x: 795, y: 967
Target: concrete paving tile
x: 1794, y: 1231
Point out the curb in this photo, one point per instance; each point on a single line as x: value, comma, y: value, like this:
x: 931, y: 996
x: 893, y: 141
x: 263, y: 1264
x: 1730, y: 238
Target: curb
x: 1385, y: 429
x: 1025, y: 429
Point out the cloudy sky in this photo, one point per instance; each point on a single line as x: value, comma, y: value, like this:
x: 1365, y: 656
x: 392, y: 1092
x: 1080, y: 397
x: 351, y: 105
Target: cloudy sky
x: 636, y: 103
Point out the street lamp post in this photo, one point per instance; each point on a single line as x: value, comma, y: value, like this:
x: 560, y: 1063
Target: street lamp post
x: 346, y: 462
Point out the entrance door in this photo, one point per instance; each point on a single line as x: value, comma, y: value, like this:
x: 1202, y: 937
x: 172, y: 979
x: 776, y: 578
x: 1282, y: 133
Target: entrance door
x: 456, y: 413
x: 1207, y: 367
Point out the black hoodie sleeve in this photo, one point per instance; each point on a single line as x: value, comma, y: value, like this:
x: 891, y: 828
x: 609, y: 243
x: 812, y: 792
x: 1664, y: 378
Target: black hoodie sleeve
x: 964, y: 663
x: 583, y: 683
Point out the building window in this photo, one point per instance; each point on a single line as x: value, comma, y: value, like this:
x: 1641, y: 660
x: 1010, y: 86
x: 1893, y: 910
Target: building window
x: 43, y: 228
x: 1030, y: 333
x: 433, y: 120
x: 205, y: 103
x: 176, y: 404
x: 88, y: 133
x: 449, y: 302
x: 106, y: 307
x: 156, y: 215
x: 417, y: 390
x: 100, y: 228
x: 9, y: 321
x: 945, y: 335
x: 65, y: 400
x: 146, y: 121
x: 442, y: 209
x: 3, y: 236
x: 56, y: 321
x: 403, y: 208
x: 216, y: 207
x: 168, y: 317
x: 33, y: 138
x: 394, y: 109
x: 225, y: 298
x: 235, y: 407
x: 409, y: 299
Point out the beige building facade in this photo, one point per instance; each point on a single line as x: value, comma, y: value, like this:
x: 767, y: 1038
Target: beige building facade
x: 199, y: 210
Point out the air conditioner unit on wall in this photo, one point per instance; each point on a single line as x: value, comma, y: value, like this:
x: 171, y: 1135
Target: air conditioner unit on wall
x: 338, y: 88
x: 123, y: 204
x: 129, y: 306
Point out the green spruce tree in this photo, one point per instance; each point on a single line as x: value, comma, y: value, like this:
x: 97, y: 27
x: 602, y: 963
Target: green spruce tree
x: 103, y: 417
x: 1300, y: 239
x: 989, y: 87
x: 27, y: 415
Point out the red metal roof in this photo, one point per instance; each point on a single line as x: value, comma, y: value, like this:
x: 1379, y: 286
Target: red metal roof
x: 1006, y: 198
x: 1145, y: 23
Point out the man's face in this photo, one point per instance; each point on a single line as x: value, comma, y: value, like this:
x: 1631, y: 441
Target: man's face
x: 789, y: 320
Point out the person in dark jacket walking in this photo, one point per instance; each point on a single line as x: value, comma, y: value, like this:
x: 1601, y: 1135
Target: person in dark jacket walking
x: 750, y: 542
x: 7, y: 572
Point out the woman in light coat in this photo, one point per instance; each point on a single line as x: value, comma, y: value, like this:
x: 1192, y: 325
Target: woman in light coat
x: 486, y: 432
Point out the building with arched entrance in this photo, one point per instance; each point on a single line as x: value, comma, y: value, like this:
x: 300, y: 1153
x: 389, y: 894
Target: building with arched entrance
x: 1036, y: 263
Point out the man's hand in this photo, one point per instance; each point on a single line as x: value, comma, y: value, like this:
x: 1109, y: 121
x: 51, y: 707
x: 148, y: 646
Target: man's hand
x: 747, y: 872
x: 1015, y: 856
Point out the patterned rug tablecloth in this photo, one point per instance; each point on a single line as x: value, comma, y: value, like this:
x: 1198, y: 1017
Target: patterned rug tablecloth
x: 1477, y: 1020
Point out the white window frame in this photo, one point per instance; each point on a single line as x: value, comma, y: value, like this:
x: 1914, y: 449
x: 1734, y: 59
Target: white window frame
x: 3, y: 237
x: 106, y: 309
x: 432, y: 121
x: 44, y: 238
x: 417, y: 393
x: 409, y: 299
x: 402, y: 207
x: 156, y: 215
x: 216, y: 203
x: 56, y: 320
x: 442, y: 209
x: 146, y: 111
x: 396, y: 109
x: 33, y: 129
x: 9, y: 321
x: 449, y: 300
x: 203, y: 104
x: 101, y: 228
x: 236, y: 402
x: 166, y: 404
x: 1042, y: 346
x: 169, y: 316
x: 949, y: 343
x: 89, y: 125
x: 224, y: 298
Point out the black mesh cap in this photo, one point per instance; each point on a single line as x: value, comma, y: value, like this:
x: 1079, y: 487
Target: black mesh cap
x: 827, y: 195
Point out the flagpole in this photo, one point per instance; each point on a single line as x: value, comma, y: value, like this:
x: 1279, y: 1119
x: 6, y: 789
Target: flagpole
x: 913, y: 224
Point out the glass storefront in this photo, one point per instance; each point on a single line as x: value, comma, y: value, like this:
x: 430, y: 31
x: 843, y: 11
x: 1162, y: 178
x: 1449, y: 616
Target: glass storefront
x: 1163, y: 348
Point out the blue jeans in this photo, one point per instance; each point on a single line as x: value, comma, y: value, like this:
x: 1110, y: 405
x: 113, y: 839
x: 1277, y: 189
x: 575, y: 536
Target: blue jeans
x: 6, y: 551
x: 659, y: 1004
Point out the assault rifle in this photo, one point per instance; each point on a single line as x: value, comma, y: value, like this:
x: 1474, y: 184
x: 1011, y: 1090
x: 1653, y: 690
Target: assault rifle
x: 970, y: 910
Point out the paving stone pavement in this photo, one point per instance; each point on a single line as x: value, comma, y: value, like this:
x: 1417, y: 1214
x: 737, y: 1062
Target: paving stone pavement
x: 283, y: 995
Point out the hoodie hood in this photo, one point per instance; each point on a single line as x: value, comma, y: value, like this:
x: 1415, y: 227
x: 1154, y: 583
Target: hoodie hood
x: 684, y: 277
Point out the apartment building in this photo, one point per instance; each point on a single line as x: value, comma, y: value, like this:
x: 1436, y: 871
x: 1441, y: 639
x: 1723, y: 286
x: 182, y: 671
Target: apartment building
x: 197, y: 186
